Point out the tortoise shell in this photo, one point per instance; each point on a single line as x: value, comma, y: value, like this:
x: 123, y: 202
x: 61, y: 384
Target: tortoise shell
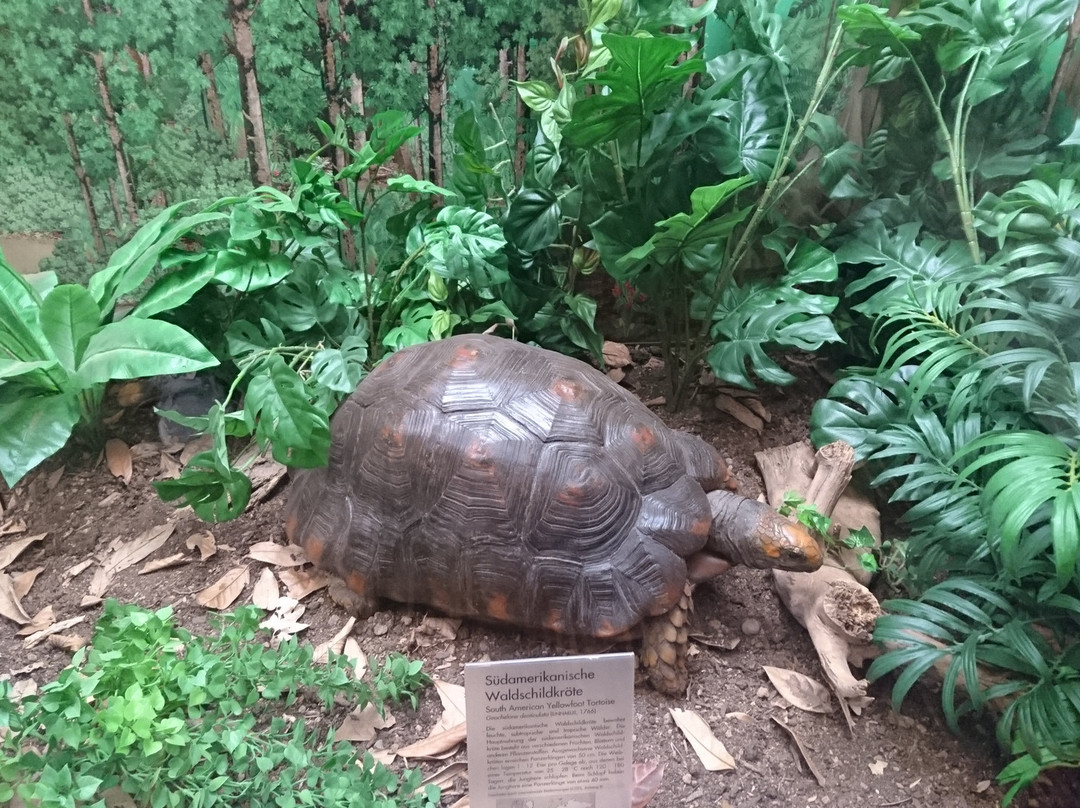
x: 489, y: 478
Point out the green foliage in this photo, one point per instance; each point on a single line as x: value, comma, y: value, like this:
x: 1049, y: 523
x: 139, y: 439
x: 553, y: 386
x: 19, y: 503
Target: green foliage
x: 171, y: 718
x: 670, y: 168
x: 60, y: 344
x: 972, y: 415
x: 861, y: 541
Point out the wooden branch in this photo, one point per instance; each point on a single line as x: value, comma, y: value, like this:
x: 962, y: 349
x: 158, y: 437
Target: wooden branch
x: 837, y: 610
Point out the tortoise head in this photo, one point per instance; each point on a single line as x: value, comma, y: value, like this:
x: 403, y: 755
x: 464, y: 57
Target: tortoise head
x: 745, y: 531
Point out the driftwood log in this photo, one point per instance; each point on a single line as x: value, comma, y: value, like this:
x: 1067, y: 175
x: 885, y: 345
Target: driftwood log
x: 833, y: 604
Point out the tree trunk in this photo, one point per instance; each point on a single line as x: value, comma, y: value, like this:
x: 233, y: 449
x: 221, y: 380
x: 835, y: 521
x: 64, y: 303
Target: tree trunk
x: 356, y: 101
x: 504, y: 72
x: 142, y: 61
x: 114, y: 200
x: 84, y: 186
x: 520, y: 112
x: 243, y: 48
x: 213, y: 101
x: 436, y: 90
x: 123, y: 173
x: 333, y: 111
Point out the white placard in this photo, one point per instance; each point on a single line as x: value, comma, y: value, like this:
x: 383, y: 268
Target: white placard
x: 551, y: 733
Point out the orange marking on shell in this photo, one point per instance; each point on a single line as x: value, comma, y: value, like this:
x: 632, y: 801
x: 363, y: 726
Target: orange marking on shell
x: 313, y: 547
x: 567, y: 389
x: 606, y: 629
x: 357, y: 583
x: 497, y: 608
x: 644, y: 437
x: 463, y: 357
x: 290, y: 528
x: 572, y: 495
x: 554, y: 620
x: 478, y: 457
x: 394, y: 436
x: 701, y: 527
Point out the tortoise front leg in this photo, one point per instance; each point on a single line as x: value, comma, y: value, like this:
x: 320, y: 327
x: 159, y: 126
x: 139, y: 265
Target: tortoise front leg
x: 664, y: 647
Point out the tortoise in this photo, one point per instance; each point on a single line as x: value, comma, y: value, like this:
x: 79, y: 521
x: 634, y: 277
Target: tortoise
x: 491, y: 479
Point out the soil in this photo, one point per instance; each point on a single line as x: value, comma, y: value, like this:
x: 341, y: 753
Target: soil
x: 890, y: 759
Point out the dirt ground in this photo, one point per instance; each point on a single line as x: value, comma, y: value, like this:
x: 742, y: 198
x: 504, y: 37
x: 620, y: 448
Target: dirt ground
x: 890, y: 759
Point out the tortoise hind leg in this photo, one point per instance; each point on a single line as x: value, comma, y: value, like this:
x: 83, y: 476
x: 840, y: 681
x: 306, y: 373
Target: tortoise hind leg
x: 664, y: 646
x: 358, y: 605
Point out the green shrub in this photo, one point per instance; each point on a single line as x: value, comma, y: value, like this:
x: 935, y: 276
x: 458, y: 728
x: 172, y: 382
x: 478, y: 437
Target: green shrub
x: 972, y: 418
x: 175, y: 719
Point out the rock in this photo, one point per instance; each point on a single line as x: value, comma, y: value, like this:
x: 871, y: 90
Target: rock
x: 616, y: 355
x: 751, y: 626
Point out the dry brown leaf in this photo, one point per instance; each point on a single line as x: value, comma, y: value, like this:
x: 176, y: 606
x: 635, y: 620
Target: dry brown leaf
x: 800, y: 690
x: 335, y: 643
x: 281, y: 555
x: 203, y: 443
x: 68, y: 642
x: 10, y: 607
x: 129, y: 554
x: 225, y: 590
x: 363, y: 724
x: 616, y: 355
x: 40, y: 621
x: 130, y: 394
x: 647, y: 779
x: 359, y: 658
x: 55, y: 628
x: 658, y: 401
x: 71, y: 572
x: 175, y: 560
x: 204, y: 542
x: 9, y: 552
x: 22, y: 581
x: 12, y: 527
x: 384, y: 756
x: 301, y: 583
x: 118, y: 459
x: 739, y: 412
x: 110, y: 499
x: 53, y: 479
x: 446, y: 776
x: 20, y: 690
x: 437, y: 746
x: 712, y: 754
x: 283, y: 623
x: 878, y: 767
x: 116, y: 797
x: 265, y: 594
x: 453, y: 701
x: 755, y: 405
x: 169, y: 467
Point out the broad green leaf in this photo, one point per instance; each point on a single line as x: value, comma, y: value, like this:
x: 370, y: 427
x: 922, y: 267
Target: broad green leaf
x: 215, y: 494
x: 20, y: 333
x: 643, y: 77
x: 341, y: 369
x: 691, y: 238
x: 175, y: 288
x: 464, y: 245
x: 411, y: 185
x: 32, y: 428
x: 533, y: 221
x: 68, y: 316
x: 298, y: 431
x: 132, y: 263
x: 135, y: 347
x: 248, y: 273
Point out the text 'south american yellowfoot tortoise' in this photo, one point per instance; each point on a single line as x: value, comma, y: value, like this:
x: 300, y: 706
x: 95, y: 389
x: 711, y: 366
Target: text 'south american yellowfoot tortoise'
x: 489, y: 478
